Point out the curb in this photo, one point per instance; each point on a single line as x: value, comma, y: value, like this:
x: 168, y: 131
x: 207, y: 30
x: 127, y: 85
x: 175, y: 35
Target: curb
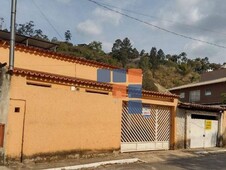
x: 209, y: 152
x: 96, y: 164
x: 219, y: 151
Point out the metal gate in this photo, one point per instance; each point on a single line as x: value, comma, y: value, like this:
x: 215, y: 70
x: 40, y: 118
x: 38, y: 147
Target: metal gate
x: 145, y: 132
x: 202, y: 137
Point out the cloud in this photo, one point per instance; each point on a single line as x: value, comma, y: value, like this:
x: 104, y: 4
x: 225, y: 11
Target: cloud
x: 198, y: 49
x: 107, y: 46
x: 197, y: 19
x: 89, y: 27
x: 107, y: 16
x: 64, y: 1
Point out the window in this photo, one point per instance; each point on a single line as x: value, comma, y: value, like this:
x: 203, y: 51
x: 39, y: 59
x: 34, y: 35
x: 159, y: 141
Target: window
x: 194, y: 96
x: 208, y: 92
x: 38, y: 84
x: 17, y: 110
x: 182, y: 95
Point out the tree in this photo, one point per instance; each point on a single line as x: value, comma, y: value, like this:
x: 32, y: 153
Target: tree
x: 95, y: 45
x: 148, y: 82
x: 1, y: 23
x: 144, y: 63
x: 54, y: 40
x: 67, y: 35
x: 161, y: 56
x: 39, y: 34
x: 122, y: 51
x: 154, y: 61
x: 26, y: 29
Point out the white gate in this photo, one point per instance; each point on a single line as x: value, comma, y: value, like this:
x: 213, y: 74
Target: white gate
x: 145, y: 131
x: 203, y: 133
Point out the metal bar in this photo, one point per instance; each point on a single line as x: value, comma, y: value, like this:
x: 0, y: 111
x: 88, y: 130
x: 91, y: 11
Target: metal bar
x: 12, y: 35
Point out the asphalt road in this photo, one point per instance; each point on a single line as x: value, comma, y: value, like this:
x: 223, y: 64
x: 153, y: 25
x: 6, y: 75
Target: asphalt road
x: 202, y: 162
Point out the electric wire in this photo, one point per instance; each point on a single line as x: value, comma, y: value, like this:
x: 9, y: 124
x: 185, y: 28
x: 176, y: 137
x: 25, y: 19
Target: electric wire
x: 167, y: 20
x: 155, y: 26
x: 46, y: 18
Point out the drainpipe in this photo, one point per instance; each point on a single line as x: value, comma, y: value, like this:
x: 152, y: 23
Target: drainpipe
x: 12, y: 35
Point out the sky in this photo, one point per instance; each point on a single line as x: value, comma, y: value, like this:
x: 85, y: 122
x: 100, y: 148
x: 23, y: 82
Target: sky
x: 204, y: 20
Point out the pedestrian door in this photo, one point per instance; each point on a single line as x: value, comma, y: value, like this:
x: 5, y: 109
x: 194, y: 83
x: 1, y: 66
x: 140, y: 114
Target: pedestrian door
x: 203, y: 133
x: 149, y: 130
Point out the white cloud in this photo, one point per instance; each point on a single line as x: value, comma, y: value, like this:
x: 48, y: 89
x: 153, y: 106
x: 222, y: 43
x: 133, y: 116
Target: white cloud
x: 198, y: 49
x: 107, y: 46
x: 107, y: 16
x: 64, y: 1
x: 89, y: 27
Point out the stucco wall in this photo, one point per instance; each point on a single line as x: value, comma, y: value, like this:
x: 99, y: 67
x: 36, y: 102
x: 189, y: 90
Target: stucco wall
x: 57, y: 119
x: 183, y: 124
x: 224, y: 128
x: 46, y: 63
x: 180, y: 129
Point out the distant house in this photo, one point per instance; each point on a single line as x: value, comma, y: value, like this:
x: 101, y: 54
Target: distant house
x: 211, y: 90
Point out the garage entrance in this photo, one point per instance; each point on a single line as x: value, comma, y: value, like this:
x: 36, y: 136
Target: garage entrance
x: 203, y: 131
x: 149, y: 130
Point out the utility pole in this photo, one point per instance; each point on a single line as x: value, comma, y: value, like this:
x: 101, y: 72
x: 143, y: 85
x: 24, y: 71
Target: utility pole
x: 12, y: 35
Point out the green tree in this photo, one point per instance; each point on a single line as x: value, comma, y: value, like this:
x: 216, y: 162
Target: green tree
x: 148, y: 82
x: 144, y: 63
x: 96, y: 45
x: 123, y: 51
x: 54, y: 40
x: 161, y: 56
x: 154, y: 61
x: 67, y: 35
x: 26, y: 29
x: 39, y: 34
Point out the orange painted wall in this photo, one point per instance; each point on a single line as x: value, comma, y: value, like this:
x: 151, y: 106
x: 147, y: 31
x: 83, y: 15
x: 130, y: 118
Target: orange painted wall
x: 44, y: 63
x: 15, y: 128
x: 58, y: 119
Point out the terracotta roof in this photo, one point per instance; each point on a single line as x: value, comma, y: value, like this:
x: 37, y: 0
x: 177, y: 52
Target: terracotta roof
x: 220, y: 80
x: 193, y: 106
x: 80, y: 82
x: 146, y: 92
x: 65, y: 79
x: 59, y: 56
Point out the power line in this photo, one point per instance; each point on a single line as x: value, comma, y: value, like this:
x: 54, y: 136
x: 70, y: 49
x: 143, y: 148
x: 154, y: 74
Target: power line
x: 167, y: 20
x: 155, y: 26
x: 46, y: 18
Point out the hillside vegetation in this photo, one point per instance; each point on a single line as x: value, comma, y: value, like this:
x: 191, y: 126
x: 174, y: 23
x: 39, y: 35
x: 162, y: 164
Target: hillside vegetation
x: 166, y: 70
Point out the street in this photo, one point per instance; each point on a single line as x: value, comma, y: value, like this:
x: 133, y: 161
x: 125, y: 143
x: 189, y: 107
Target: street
x: 207, y: 161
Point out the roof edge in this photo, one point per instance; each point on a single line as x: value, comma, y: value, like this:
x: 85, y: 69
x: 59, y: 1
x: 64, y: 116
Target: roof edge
x: 80, y: 81
x: 220, y: 80
x: 61, y: 56
x: 192, y: 106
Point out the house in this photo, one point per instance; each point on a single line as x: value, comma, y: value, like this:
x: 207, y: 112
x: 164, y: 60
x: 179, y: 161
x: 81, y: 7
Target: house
x: 211, y: 90
x: 200, y: 126
x: 54, y: 105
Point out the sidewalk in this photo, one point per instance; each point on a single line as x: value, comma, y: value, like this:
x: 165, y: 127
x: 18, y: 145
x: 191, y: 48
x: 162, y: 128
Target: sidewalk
x: 148, y: 157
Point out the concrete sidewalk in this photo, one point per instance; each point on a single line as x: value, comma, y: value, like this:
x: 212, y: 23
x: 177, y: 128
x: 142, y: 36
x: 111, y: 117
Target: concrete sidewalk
x: 148, y: 157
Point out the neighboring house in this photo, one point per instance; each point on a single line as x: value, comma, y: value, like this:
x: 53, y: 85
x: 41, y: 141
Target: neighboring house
x: 52, y: 105
x: 200, y: 126
x: 211, y: 90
